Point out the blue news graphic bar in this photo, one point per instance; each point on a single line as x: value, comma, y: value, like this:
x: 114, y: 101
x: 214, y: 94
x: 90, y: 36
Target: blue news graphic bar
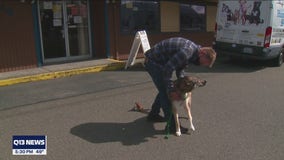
x: 29, y: 142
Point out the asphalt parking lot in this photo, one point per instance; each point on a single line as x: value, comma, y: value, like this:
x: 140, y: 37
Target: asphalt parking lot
x: 238, y: 115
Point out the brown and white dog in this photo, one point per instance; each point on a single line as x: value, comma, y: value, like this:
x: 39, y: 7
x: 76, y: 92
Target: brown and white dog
x: 181, y: 97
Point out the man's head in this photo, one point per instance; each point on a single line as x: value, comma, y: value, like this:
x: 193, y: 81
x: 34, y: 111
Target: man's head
x: 207, y: 56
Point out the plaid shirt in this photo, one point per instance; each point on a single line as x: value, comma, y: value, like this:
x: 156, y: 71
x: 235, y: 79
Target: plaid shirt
x: 173, y: 54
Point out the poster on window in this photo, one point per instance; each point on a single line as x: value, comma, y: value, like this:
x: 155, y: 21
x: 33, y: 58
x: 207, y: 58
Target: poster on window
x: 57, y: 11
x: 57, y: 22
x: 77, y: 19
x: 47, y: 5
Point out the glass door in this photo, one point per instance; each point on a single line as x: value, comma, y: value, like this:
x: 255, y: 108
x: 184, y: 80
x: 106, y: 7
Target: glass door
x: 52, y: 29
x: 64, y: 29
x: 78, y: 31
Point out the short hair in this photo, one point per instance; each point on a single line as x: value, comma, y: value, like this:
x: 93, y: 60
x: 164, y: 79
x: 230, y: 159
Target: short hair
x: 211, y: 54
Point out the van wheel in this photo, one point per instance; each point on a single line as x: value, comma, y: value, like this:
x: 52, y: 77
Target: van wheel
x: 279, y: 60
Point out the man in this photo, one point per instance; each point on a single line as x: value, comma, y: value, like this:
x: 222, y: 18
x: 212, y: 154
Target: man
x: 167, y: 56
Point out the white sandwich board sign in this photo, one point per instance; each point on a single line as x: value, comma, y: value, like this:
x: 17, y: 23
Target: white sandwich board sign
x: 140, y: 38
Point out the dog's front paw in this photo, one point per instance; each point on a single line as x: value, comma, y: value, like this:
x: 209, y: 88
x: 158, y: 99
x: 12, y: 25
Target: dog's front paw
x: 178, y: 133
x: 192, y: 128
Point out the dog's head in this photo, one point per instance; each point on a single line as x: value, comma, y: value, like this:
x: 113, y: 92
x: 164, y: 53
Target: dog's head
x: 188, y: 83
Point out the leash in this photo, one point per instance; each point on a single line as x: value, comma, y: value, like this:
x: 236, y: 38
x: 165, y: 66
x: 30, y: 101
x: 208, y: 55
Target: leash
x: 168, y: 126
x: 139, y: 108
x: 171, y: 114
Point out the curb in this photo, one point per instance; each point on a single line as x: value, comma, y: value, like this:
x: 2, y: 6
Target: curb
x: 116, y: 65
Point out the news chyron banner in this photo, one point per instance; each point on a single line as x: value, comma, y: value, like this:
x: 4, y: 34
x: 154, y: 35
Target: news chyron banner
x: 29, y: 145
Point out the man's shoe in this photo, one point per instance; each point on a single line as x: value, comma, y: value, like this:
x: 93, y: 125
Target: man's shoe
x: 156, y: 118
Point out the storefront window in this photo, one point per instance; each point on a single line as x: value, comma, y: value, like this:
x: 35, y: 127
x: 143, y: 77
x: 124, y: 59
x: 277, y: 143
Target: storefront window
x: 139, y: 15
x: 161, y: 16
x: 192, y: 17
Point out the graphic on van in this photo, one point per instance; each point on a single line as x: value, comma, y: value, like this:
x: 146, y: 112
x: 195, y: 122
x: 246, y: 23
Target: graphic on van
x: 280, y: 3
x: 242, y: 13
x: 280, y: 13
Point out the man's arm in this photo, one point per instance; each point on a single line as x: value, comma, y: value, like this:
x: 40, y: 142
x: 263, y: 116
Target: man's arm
x: 177, y: 62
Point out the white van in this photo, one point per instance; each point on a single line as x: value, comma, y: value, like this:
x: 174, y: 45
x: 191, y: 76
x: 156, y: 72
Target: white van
x: 251, y: 29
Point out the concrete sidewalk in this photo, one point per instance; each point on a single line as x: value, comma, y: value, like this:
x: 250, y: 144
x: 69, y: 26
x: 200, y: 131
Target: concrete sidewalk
x: 59, y: 70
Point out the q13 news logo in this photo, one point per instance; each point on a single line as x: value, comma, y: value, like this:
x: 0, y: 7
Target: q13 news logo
x: 29, y: 145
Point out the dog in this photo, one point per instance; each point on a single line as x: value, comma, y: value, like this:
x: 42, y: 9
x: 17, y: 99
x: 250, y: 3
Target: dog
x: 181, y: 96
x: 254, y: 17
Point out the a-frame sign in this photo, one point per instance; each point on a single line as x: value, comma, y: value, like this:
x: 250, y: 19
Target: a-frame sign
x: 140, y: 38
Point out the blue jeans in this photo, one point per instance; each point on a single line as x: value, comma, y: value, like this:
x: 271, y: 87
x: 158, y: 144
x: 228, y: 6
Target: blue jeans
x: 161, y: 100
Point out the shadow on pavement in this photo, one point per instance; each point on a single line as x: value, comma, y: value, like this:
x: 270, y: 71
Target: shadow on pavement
x: 132, y: 133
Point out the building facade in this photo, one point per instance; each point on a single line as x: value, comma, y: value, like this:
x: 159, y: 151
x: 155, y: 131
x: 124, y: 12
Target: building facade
x: 42, y: 32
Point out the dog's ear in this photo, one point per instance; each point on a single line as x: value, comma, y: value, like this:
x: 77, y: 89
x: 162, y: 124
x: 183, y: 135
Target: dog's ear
x: 188, y: 85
